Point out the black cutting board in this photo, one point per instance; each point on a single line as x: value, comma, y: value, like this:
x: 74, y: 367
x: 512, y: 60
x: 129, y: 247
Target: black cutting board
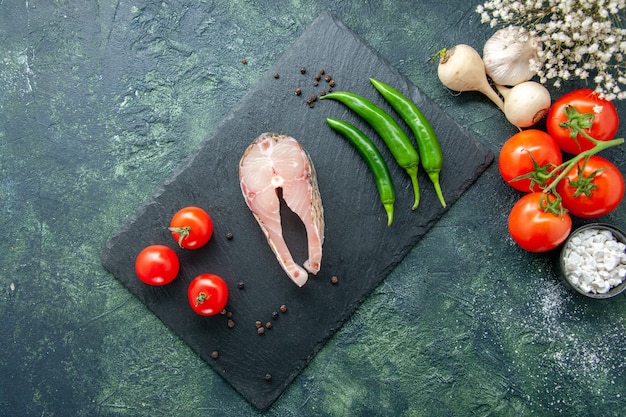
x: 359, y: 248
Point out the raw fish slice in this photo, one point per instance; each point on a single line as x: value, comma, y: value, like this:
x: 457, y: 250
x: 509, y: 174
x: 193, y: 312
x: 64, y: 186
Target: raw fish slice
x: 276, y: 161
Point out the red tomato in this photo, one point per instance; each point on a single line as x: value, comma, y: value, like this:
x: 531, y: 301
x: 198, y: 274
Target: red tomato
x: 157, y: 265
x: 192, y: 227
x: 515, y: 159
x: 208, y: 294
x: 585, y: 102
x: 535, y: 229
x: 592, y: 189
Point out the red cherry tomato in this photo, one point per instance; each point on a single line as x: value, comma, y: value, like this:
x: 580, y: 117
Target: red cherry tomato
x: 592, y: 189
x: 531, y: 153
x: 208, y: 294
x: 157, y: 265
x: 191, y: 227
x: 535, y: 229
x: 602, y: 127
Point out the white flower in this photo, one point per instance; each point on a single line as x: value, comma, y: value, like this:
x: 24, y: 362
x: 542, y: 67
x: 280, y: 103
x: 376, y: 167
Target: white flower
x: 578, y: 38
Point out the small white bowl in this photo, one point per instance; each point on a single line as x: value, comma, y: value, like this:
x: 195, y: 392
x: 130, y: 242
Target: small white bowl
x: 569, y: 277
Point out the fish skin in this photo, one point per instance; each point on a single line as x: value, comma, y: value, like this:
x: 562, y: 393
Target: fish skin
x: 276, y: 161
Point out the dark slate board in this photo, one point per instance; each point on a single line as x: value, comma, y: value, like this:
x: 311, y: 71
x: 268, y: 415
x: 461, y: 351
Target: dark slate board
x: 359, y: 248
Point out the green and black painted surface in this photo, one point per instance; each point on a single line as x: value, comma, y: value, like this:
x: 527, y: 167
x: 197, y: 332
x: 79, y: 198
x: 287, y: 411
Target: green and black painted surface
x: 101, y: 101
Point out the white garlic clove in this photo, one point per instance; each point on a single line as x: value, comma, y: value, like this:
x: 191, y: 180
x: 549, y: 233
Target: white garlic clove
x: 509, y: 54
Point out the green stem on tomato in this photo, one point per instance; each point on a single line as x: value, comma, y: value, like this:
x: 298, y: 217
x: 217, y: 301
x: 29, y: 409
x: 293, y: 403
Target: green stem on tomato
x: 576, y: 122
x: 183, y: 232
x: 567, y: 166
x: 202, y: 297
x: 552, y: 206
x: 539, y: 175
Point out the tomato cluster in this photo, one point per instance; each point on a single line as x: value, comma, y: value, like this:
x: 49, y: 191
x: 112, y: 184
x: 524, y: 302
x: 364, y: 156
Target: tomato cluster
x: 580, y: 124
x: 157, y: 265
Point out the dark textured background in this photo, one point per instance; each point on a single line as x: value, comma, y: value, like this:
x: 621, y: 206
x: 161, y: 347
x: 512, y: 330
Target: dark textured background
x: 100, y: 102
x: 359, y: 247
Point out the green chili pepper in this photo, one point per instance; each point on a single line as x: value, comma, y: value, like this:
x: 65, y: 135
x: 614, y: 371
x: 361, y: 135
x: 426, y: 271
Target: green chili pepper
x: 396, y: 140
x: 373, y: 159
x: 429, y: 149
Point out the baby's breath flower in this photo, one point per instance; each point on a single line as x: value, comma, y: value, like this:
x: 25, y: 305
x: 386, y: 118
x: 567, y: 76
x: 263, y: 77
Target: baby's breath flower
x: 578, y: 38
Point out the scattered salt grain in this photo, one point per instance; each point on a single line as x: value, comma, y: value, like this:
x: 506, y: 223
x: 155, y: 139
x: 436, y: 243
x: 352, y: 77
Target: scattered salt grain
x: 595, y: 261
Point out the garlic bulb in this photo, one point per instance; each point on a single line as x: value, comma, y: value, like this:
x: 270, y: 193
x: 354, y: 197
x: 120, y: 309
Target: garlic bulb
x: 508, y: 55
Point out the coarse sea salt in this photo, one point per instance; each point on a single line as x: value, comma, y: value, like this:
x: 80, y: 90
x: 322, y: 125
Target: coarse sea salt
x: 595, y: 261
